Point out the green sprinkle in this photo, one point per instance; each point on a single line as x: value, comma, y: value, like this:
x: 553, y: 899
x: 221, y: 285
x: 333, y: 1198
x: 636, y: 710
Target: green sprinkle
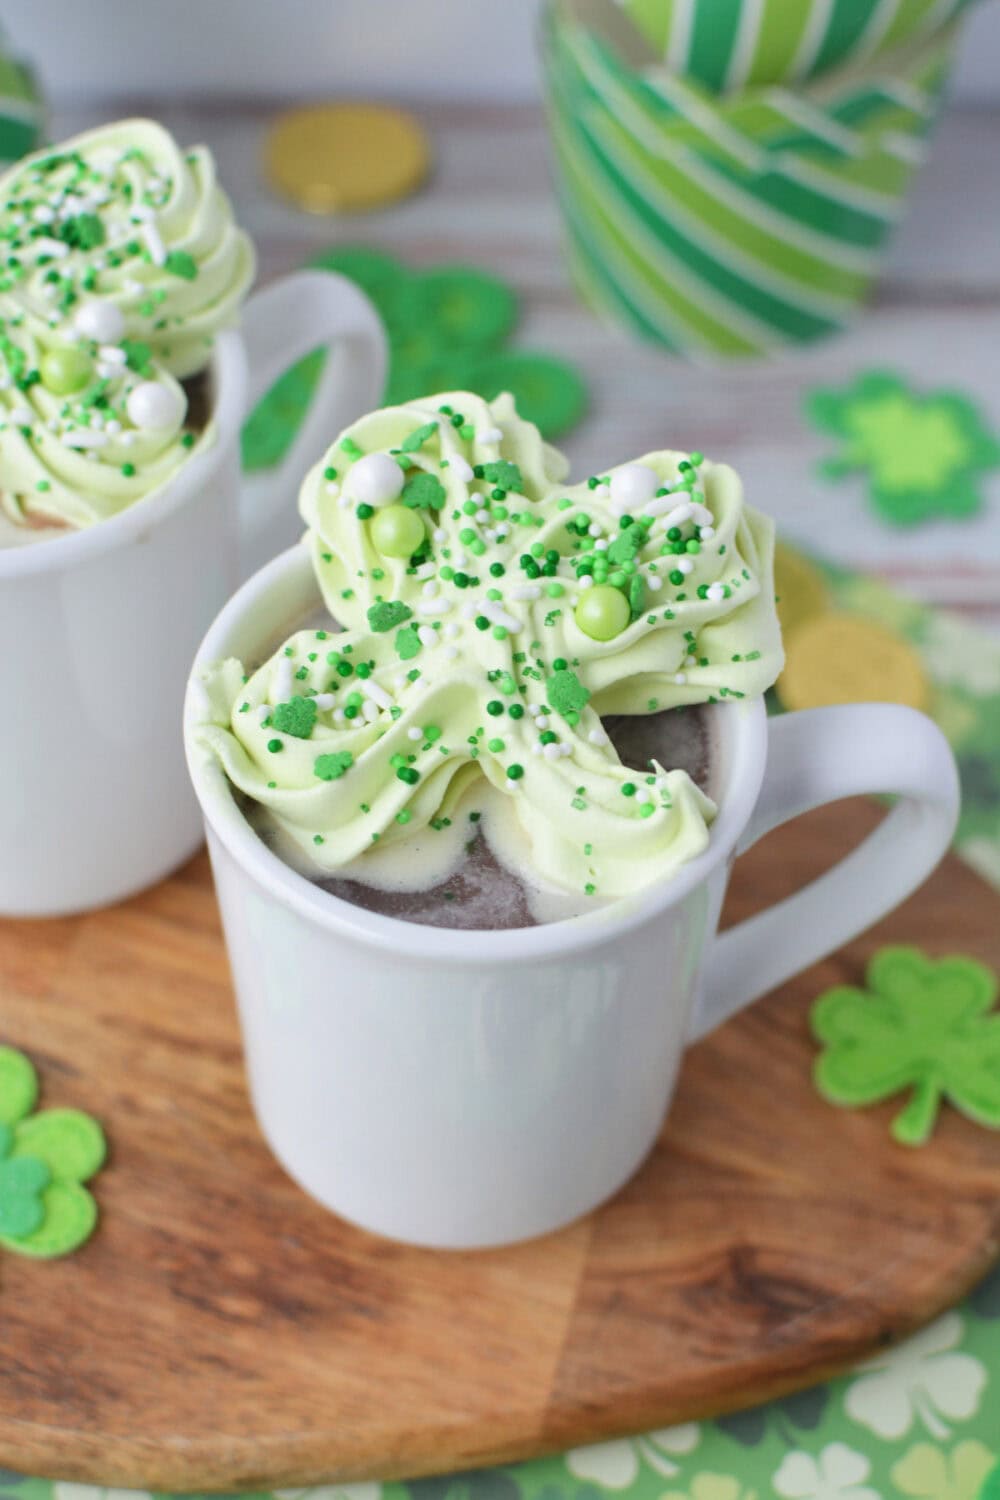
x: 495, y: 707
x: 274, y: 746
x: 516, y: 711
x: 628, y: 789
x: 332, y: 766
x: 503, y: 473
x: 297, y: 717
x: 408, y: 774
x: 180, y: 263
x: 515, y: 772
x: 349, y: 446
x: 565, y: 692
x: 418, y: 437
x: 365, y: 512
x: 383, y: 617
x: 128, y: 470
x: 496, y: 746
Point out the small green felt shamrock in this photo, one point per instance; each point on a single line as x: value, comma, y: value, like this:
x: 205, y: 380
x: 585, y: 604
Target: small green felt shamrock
x: 45, y: 1158
x: 923, y: 453
x: 921, y: 1024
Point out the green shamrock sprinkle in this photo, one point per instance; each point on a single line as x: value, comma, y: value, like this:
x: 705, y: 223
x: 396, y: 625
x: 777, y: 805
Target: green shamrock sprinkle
x: 82, y: 232
x: 418, y: 438
x: 565, y: 692
x: 505, y: 475
x: 45, y: 1158
x: 407, y: 643
x: 180, y: 263
x: 382, y: 617
x: 423, y: 492
x: 332, y: 766
x: 920, y: 1024
x: 923, y: 454
x: 296, y: 717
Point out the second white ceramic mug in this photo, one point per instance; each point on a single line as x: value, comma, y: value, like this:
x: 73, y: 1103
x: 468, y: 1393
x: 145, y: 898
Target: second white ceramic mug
x: 463, y: 1089
x: 99, y: 626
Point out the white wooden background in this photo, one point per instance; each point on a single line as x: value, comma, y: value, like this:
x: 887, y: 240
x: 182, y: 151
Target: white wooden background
x: 936, y: 318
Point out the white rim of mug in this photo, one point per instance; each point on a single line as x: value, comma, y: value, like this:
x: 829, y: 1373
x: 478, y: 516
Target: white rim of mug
x: 746, y: 750
x: 227, y: 369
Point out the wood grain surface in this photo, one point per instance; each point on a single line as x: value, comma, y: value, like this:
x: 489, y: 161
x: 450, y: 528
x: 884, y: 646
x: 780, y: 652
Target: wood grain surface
x: 221, y: 1331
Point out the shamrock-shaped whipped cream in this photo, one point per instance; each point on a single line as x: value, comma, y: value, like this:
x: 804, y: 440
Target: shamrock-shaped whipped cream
x: 492, y: 615
x: 921, y: 1024
x: 44, y: 1160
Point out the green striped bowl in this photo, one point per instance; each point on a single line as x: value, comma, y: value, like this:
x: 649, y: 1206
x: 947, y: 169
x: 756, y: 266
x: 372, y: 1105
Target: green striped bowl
x: 729, y: 228
x: 734, y: 44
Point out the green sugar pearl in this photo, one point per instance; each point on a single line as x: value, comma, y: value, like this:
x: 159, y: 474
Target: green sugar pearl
x: 64, y: 371
x: 396, y: 531
x: 602, y: 613
x: 497, y: 745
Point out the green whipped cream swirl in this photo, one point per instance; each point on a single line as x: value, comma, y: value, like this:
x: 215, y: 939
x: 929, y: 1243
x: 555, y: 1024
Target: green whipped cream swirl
x: 84, y: 431
x: 491, y: 615
x: 119, y: 233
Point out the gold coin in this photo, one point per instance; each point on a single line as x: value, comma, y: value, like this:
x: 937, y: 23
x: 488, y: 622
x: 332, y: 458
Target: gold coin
x: 334, y: 158
x: 800, y: 588
x: 840, y: 658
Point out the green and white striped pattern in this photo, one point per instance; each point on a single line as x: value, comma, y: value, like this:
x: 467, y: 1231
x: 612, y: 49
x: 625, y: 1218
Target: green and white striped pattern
x: 734, y: 44
x: 22, y: 113
x: 728, y: 228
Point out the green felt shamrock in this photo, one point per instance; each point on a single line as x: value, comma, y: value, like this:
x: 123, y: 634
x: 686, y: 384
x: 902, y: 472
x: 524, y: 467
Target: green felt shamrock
x: 45, y: 1158
x: 923, y: 453
x: 921, y: 1024
x: 447, y: 328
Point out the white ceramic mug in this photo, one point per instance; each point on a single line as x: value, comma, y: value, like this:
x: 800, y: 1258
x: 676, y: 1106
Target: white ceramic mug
x: 462, y: 1089
x: 99, y: 625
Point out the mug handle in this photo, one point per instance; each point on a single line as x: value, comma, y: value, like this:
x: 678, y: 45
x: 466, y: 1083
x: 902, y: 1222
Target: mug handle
x: 282, y: 323
x: 814, y: 757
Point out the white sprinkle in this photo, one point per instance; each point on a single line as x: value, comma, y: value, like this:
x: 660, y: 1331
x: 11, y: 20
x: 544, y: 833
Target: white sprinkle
x: 43, y: 214
x: 489, y: 435
x: 499, y: 616
x: 680, y: 679
x: 460, y: 560
x: 370, y: 710
x: 601, y: 491
x: 702, y: 515
x: 45, y: 245
x: 345, y: 502
x: 339, y: 717
x: 706, y: 533
x: 263, y: 711
x: 601, y: 546
x: 674, y: 515
x: 452, y: 630
x: 552, y: 751
x: 481, y: 517
x: 597, y: 737
x: 426, y: 636
x: 512, y: 786
x: 426, y: 570
x: 400, y: 681
x: 644, y: 794
x: 377, y: 694
x: 565, y: 748
x: 436, y: 606
x: 450, y: 653
x: 586, y: 582
x: 542, y: 722
x: 632, y: 485
x: 537, y: 748
x: 83, y: 437
x: 654, y: 581
x: 501, y: 533
x: 415, y: 735
x: 462, y: 472
x: 325, y: 701
x: 469, y: 609
x: 534, y: 709
x: 440, y: 535
x: 22, y: 416
x: 332, y: 488
x: 685, y: 565
x: 281, y: 682
x: 113, y: 427
x: 431, y: 587
x: 154, y: 242
x: 133, y: 286
x: 111, y: 354
x: 715, y: 592
x: 526, y: 591
x: 594, y: 529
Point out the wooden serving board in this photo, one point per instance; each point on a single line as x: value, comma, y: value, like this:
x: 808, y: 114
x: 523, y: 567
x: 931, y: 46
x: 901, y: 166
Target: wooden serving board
x: 222, y: 1331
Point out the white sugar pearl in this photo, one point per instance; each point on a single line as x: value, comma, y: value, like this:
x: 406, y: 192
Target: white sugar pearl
x: 460, y: 469
x: 654, y: 582
x: 375, y: 479
x: 634, y: 484
x: 101, y: 320
x: 155, y: 407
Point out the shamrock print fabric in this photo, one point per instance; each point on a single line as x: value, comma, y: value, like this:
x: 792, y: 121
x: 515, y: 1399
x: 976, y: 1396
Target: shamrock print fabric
x: 922, y: 454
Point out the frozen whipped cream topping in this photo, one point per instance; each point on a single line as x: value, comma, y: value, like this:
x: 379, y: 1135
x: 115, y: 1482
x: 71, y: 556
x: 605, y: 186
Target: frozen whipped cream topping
x: 491, y: 615
x: 119, y: 233
x: 85, y: 429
